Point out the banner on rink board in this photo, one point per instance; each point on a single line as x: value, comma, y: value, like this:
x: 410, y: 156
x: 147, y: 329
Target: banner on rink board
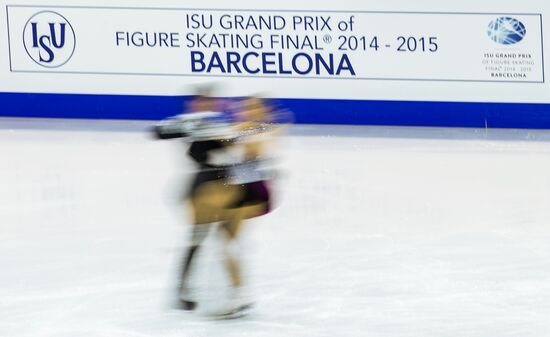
x: 477, y: 47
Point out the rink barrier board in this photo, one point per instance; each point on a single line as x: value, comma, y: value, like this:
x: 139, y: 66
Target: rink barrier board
x: 306, y: 111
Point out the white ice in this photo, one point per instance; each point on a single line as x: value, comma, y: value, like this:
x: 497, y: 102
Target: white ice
x: 379, y: 231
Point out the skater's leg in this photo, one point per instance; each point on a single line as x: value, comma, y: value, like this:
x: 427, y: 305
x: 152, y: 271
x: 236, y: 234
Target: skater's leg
x: 233, y: 266
x: 230, y: 231
x: 239, y: 301
x: 198, y: 234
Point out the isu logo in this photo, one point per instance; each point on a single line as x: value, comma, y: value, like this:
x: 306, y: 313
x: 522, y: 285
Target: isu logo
x: 506, y: 31
x: 49, y: 39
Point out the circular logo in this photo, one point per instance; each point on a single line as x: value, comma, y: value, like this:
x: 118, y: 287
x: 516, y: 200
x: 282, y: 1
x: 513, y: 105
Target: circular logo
x: 506, y: 31
x: 49, y: 39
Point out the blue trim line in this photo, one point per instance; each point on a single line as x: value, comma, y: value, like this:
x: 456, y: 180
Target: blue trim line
x: 306, y: 111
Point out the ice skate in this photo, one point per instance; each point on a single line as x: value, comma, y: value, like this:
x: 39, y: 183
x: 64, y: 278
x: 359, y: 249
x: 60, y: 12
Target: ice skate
x: 239, y: 305
x: 185, y: 300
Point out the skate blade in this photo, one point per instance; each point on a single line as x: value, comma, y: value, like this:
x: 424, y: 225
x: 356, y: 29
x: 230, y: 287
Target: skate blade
x: 235, y: 313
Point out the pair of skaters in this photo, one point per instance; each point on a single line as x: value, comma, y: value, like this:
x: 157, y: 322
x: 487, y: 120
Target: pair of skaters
x: 224, y: 192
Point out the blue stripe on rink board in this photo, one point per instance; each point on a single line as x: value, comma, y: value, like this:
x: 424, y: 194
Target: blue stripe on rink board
x: 306, y: 111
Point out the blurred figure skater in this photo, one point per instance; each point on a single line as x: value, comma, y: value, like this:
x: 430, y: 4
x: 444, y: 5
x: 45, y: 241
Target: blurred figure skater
x: 222, y: 192
x: 204, y: 128
x: 247, y: 190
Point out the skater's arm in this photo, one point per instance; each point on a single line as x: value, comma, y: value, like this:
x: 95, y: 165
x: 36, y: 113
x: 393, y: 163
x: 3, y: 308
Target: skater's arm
x: 169, y: 131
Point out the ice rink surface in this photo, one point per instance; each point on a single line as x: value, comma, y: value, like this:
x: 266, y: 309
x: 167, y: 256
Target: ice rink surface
x: 379, y: 232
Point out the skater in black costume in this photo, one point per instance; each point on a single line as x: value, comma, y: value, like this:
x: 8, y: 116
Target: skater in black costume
x: 201, y: 114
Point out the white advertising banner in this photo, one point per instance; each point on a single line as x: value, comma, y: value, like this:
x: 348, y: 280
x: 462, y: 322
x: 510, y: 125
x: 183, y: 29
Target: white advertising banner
x: 316, y: 44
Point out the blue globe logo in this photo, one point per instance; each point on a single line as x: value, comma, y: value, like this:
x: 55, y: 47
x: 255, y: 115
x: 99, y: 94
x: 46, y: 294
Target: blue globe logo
x: 506, y: 31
